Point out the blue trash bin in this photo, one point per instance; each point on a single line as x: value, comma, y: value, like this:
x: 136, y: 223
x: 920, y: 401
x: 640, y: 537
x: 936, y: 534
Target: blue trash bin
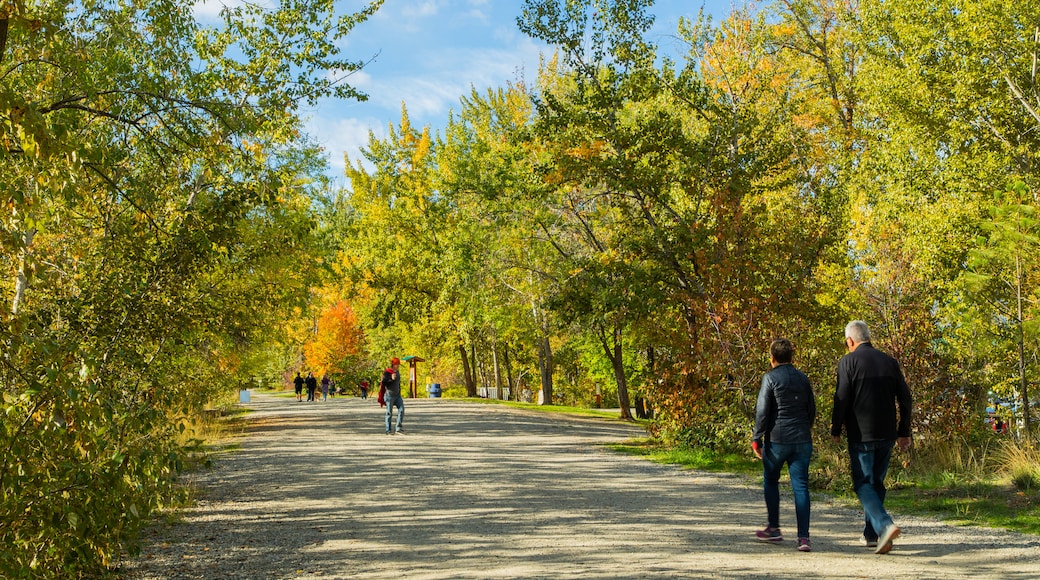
x: 434, y: 390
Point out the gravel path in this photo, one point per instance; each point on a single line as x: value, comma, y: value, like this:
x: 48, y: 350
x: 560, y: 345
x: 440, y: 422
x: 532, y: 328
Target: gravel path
x: 478, y: 491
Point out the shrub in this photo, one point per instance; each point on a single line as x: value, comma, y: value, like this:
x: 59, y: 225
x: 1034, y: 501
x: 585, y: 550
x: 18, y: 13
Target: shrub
x: 451, y: 391
x: 1020, y: 461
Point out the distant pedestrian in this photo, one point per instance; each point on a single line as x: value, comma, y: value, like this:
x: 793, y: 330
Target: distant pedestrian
x: 870, y: 388
x: 391, y: 384
x: 364, y: 388
x: 332, y: 388
x: 298, y: 383
x: 324, y: 387
x: 784, y: 417
x: 312, y: 385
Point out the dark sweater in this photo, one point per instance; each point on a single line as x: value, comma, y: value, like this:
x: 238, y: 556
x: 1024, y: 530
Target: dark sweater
x: 392, y: 382
x: 870, y: 386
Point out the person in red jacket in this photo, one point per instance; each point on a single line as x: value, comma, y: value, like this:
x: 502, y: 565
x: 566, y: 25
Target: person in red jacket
x: 391, y: 387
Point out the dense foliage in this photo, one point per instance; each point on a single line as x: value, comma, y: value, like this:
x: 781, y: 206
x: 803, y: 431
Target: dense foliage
x: 627, y: 228
x: 155, y: 188
x: 637, y: 227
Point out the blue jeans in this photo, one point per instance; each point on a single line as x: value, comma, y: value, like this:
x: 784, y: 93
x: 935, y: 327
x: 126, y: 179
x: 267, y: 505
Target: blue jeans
x: 796, y: 456
x: 390, y: 402
x: 869, y: 466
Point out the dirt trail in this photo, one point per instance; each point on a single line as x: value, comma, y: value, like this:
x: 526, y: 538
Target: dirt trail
x: 476, y: 491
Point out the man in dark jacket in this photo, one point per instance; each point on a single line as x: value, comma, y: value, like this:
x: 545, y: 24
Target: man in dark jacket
x: 312, y: 385
x: 391, y: 382
x: 298, y: 384
x: 784, y: 416
x: 870, y: 387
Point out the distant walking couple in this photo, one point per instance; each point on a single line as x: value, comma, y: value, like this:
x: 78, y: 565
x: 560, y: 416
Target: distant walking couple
x: 871, y: 388
x: 310, y: 383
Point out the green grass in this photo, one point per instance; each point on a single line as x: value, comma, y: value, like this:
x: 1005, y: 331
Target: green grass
x: 561, y: 409
x: 956, y: 497
x: 702, y: 459
x: 992, y: 503
x: 996, y: 499
x: 280, y: 393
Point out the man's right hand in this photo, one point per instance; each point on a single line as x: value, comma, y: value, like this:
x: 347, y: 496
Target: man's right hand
x: 757, y: 448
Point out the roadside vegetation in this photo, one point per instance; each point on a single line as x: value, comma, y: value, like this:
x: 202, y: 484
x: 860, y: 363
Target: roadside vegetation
x: 628, y: 226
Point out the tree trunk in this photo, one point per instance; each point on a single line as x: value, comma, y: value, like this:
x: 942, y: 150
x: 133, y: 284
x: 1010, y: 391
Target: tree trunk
x: 637, y: 404
x: 467, y: 372
x: 1023, y: 381
x: 479, y: 371
x: 498, y: 373
x: 21, y: 282
x: 3, y: 36
x: 643, y: 409
x: 617, y: 362
x: 545, y: 364
x: 514, y: 392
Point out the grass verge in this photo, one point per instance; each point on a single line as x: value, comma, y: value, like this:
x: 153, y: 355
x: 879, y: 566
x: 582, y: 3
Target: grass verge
x: 991, y: 504
x: 702, y: 459
x: 209, y: 434
x: 993, y: 498
x: 560, y: 409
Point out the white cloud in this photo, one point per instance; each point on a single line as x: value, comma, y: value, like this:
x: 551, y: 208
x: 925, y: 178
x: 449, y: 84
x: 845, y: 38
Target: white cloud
x: 448, y: 75
x: 347, y: 135
x: 423, y: 9
x: 479, y: 15
x: 209, y: 10
x: 358, y: 79
x: 432, y: 53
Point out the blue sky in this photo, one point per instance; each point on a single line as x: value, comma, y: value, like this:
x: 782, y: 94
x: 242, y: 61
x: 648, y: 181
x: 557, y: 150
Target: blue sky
x: 431, y: 52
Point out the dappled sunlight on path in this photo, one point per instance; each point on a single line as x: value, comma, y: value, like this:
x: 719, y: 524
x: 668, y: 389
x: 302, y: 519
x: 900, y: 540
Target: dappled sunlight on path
x: 480, y: 491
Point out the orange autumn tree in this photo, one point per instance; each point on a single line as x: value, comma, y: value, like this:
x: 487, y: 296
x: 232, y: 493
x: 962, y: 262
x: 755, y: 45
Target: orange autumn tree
x: 337, y: 347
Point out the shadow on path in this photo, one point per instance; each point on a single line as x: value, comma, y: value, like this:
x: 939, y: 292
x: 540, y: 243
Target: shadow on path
x: 480, y: 491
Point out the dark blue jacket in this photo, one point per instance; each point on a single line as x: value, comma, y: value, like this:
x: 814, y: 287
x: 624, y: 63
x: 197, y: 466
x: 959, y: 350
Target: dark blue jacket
x: 870, y: 386
x: 786, y: 407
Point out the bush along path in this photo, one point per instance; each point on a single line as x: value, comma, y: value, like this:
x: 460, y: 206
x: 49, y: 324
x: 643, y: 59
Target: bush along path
x: 317, y: 490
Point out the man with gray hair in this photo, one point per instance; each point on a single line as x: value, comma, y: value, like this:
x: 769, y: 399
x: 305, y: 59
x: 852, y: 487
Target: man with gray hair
x: 870, y: 388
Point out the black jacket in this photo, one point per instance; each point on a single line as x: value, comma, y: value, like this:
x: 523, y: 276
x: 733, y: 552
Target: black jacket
x: 870, y: 386
x: 392, y: 382
x: 786, y: 407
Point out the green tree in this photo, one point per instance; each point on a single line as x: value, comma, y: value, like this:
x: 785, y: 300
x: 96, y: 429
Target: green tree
x: 948, y: 130
x: 156, y: 187
x: 1002, y: 277
x: 721, y: 219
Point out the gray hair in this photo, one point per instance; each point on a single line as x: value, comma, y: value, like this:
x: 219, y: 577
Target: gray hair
x: 858, y: 331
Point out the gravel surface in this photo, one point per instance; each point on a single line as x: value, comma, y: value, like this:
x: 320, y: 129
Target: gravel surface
x: 317, y: 490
